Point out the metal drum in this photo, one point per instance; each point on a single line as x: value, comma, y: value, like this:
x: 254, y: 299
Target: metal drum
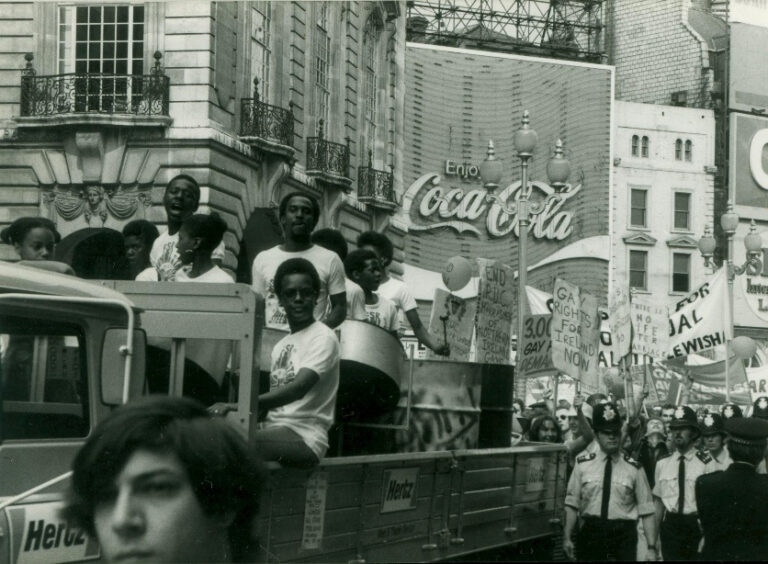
x: 372, y: 363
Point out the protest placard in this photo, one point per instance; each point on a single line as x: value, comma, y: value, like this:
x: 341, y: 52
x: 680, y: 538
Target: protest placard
x: 459, y: 317
x: 495, y: 312
x: 620, y: 323
x: 702, y: 319
x: 536, y: 357
x: 575, y: 331
x: 650, y: 322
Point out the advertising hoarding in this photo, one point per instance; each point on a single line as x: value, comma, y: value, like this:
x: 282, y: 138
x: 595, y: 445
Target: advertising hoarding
x: 748, y: 73
x: 456, y: 101
x: 749, y: 164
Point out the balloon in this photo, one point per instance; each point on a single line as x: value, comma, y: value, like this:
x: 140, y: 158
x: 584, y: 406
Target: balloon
x: 457, y: 273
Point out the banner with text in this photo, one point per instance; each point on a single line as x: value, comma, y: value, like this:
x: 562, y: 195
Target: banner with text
x: 575, y: 332
x: 495, y: 312
x: 621, y: 325
x: 701, y: 393
x: 650, y: 325
x: 702, y: 320
x: 453, y: 317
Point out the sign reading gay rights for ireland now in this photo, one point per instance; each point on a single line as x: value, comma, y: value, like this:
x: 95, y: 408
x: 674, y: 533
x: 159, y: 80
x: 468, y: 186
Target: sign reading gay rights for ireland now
x: 702, y: 320
x: 575, y: 331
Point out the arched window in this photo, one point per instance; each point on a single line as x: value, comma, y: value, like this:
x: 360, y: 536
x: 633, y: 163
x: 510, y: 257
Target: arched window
x: 644, y: 147
x: 635, y: 146
x: 679, y: 150
x: 688, y: 150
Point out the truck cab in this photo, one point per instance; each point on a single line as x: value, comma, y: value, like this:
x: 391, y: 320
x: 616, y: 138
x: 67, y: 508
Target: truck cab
x: 72, y: 350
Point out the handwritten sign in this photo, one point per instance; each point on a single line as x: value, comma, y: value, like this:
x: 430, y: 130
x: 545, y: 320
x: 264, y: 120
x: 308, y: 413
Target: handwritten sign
x: 495, y: 312
x: 650, y: 322
x: 621, y: 324
x: 575, y: 331
x: 537, y: 473
x: 536, y: 348
x: 314, y: 511
x: 459, y: 325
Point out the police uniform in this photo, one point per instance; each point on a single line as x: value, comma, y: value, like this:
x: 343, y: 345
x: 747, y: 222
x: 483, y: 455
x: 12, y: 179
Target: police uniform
x: 609, y: 518
x: 714, y: 424
x: 733, y: 504
x: 730, y: 410
x: 680, y: 534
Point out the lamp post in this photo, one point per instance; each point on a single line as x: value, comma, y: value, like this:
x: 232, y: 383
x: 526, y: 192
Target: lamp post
x: 743, y: 347
x: 558, y: 170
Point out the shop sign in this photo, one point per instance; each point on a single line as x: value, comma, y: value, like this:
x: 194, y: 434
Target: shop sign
x: 398, y: 489
x: 437, y: 207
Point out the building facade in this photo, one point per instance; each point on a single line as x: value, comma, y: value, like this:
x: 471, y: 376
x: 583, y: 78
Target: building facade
x: 663, y: 190
x: 102, y: 104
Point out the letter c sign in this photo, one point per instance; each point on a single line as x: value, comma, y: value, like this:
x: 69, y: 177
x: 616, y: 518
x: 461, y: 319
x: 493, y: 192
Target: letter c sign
x: 759, y: 140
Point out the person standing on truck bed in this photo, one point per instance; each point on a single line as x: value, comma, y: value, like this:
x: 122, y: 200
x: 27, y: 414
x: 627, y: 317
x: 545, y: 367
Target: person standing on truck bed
x: 299, y: 214
x: 181, y: 199
x: 397, y: 292
x: 304, y: 375
x: 139, y: 235
x: 333, y: 240
x: 34, y: 240
x: 160, y: 481
x: 609, y: 491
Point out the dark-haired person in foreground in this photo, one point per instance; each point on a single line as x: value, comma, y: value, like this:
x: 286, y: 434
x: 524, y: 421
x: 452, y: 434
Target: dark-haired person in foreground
x: 159, y: 480
x: 733, y: 503
x: 304, y: 375
x: 139, y: 235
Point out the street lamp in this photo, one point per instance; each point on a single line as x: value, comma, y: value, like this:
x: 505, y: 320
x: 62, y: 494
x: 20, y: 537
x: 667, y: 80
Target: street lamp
x: 558, y: 170
x: 743, y: 347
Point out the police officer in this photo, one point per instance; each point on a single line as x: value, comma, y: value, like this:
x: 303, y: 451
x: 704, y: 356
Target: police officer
x: 713, y: 433
x: 674, y: 489
x: 728, y: 410
x: 609, y: 491
x: 760, y: 408
x: 733, y: 504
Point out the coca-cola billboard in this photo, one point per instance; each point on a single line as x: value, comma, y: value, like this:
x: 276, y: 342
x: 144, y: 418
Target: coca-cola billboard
x: 458, y: 100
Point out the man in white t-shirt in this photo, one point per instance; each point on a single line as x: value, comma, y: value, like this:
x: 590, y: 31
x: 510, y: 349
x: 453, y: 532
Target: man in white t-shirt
x: 298, y: 215
x: 304, y: 375
x: 181, y: 199
x: 397, y: 292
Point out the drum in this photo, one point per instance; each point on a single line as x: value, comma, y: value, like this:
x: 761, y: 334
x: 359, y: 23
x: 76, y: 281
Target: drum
x: 372, y: 363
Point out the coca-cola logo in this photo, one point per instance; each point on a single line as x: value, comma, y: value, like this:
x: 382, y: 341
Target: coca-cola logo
x: 461, y: 210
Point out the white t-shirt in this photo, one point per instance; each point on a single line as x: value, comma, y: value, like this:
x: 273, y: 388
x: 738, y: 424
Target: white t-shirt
x: 329, y: 268
x: 317, y: 348
x: 215, y: 274
x: 383, y: 314
x: 147, y: 275
x: 355, y: 301
x: 164, y: 250
x: 397, y: 292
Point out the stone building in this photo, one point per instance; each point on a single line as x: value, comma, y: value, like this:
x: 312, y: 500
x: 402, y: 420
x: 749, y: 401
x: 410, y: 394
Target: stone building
x: 101, y: 105
x: 663, y: 190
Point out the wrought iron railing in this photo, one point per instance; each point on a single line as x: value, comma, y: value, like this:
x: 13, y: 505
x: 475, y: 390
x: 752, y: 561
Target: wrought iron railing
x: 326, y: 156
x: 375, y: 185
x: 265, y: 121
x: 144, y: 95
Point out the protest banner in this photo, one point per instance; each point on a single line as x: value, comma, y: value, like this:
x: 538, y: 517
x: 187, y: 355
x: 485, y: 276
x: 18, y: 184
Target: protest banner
x: 620, y: 323
x: 701, y: 320
x: 459, y: 317
x: 496, y: 307
x: 536, y: 348
x: 575, y: 332
x: 704, y: 391
x: 650, y: 325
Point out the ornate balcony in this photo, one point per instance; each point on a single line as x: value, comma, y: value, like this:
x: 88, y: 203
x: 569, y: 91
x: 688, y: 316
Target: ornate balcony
x: 266, y: 127
x: 375, y: 187
x: 94, y: 98
x: 328, y: 161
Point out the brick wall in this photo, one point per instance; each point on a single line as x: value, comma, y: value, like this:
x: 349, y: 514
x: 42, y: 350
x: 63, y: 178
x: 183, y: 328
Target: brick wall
x: 656, y: 53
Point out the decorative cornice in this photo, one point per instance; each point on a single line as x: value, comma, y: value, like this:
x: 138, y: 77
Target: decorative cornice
x: 683, y: 242
x: 639, y: 239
